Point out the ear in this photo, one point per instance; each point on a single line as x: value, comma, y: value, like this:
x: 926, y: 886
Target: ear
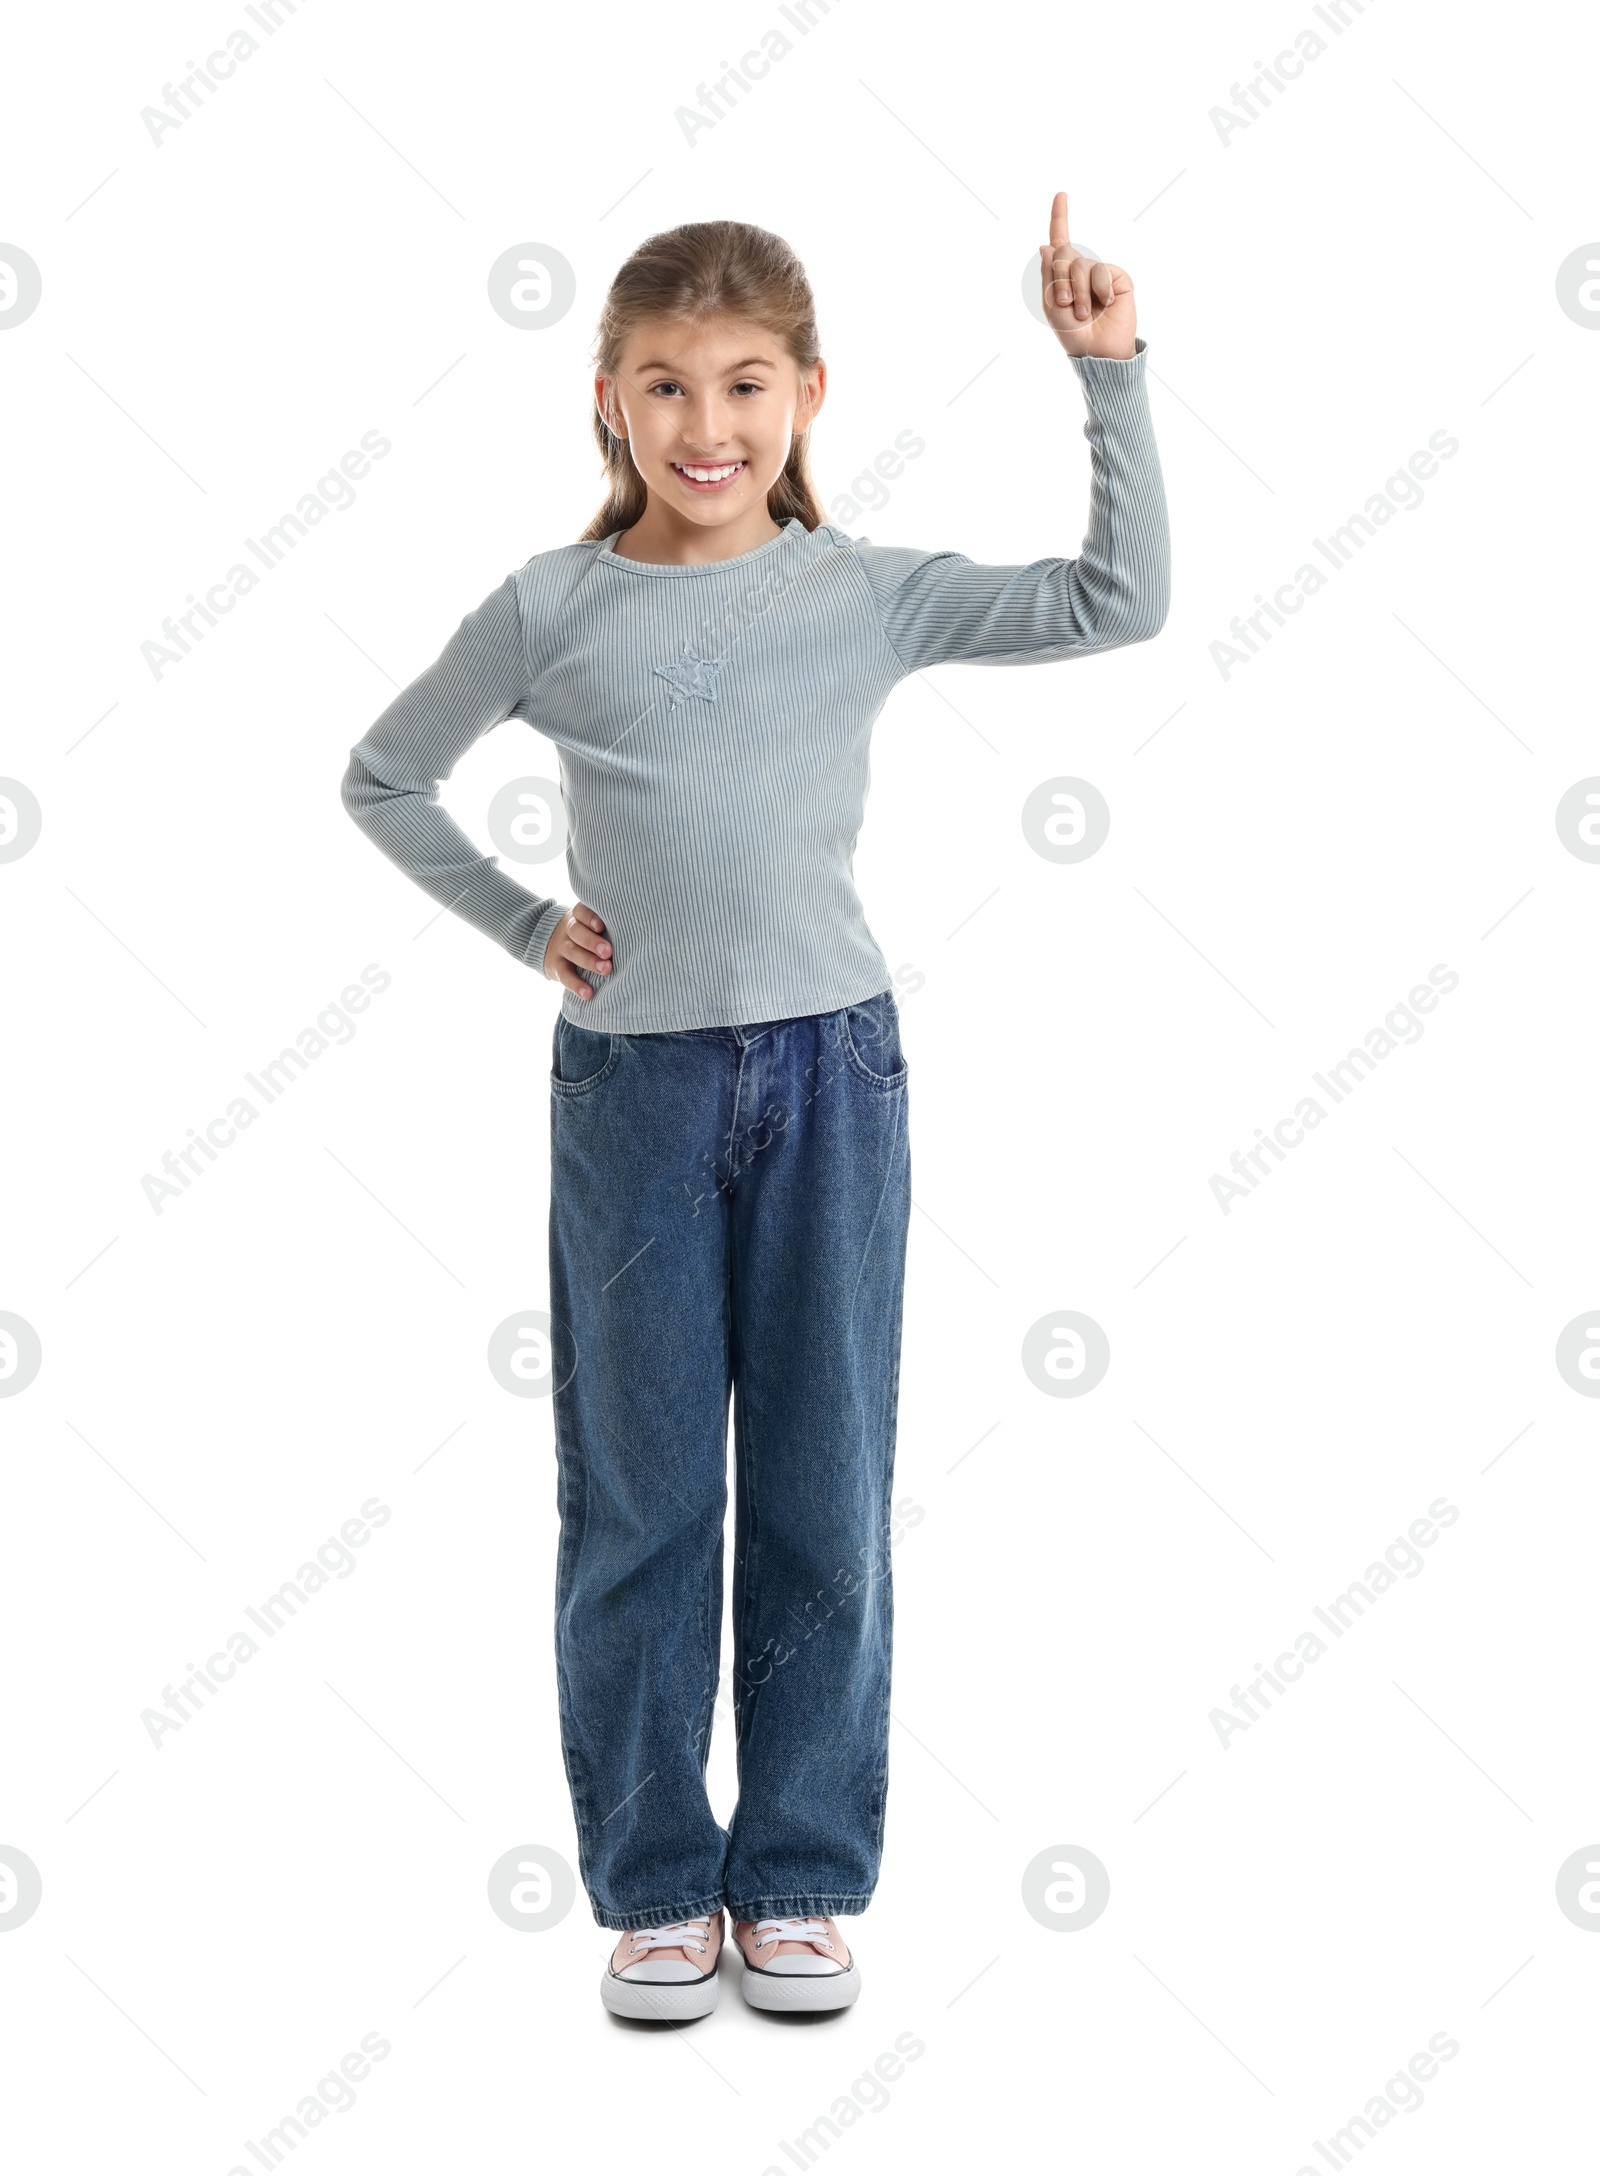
x: 607, y: 409
x: 814, y: 393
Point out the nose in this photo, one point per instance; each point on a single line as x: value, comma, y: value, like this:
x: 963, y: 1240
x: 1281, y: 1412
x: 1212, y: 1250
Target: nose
x: 709, y: 432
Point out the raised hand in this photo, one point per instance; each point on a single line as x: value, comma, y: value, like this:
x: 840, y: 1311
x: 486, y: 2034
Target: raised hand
x: 1087, y: 305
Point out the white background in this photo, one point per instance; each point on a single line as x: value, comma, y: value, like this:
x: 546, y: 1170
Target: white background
x: 1292, y: 849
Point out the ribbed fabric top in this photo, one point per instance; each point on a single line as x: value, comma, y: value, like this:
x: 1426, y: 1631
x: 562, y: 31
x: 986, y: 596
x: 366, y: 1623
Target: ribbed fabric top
x: 713, y: 724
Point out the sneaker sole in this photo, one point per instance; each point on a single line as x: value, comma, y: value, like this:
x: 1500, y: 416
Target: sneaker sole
x: 801, y: 1990
x: 660, y: 1999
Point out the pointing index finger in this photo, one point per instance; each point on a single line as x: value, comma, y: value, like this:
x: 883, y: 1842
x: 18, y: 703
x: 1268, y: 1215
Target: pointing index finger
x: 1058, y: 221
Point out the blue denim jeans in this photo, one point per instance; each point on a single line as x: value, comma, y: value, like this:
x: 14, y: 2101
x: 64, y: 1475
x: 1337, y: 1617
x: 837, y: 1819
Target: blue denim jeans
x: 728, y: 1218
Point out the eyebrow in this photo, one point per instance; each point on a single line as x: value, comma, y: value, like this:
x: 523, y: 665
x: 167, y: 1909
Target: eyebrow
x: 748, y: 360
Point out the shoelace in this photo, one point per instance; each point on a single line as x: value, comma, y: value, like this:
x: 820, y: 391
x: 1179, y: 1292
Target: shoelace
x: 687, y: 1934
x: 793, y: 1930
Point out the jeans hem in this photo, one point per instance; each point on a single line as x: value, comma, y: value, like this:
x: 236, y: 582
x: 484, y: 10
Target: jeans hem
x: 800, y: 1907
x: 665, y: 1915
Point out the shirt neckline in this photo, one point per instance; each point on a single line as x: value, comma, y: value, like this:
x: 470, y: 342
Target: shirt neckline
x: 609, y: 551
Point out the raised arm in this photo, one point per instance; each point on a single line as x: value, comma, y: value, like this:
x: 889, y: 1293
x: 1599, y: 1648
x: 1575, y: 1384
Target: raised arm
x: 941, y: 607
x: 391, y: 787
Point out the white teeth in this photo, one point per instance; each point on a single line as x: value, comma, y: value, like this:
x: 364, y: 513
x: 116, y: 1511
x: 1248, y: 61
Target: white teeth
x: 708, y: 475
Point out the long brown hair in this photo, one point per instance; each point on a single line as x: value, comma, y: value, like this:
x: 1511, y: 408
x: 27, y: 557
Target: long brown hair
x: 711, y: 268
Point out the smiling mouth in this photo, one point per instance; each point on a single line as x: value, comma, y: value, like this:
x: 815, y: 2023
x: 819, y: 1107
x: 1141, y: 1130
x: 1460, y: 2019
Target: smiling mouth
x: 709, y: 475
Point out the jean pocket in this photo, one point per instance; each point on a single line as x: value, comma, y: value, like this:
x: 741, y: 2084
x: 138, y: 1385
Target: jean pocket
x: 580, y: 1058
x: 869, y: 1036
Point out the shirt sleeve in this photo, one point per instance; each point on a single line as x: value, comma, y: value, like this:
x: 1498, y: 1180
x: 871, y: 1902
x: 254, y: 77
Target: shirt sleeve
x: 939, y: 607
x: 391, y: 787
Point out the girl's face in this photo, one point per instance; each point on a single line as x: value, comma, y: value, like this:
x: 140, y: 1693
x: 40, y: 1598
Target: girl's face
x: 708, y: 411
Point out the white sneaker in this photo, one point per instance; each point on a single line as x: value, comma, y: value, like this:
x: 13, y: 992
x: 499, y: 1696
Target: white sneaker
x: 796, y: 1964
x: 668, y: 1971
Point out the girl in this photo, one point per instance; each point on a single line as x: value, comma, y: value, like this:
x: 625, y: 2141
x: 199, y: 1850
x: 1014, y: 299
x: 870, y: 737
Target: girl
x: 729, y: 1165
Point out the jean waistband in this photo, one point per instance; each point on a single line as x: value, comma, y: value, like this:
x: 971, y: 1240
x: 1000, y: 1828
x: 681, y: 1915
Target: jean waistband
x: 742, y: 1035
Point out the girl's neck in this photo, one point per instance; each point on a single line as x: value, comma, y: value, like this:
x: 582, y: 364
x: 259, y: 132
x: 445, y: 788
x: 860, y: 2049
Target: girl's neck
x: 663, y: 538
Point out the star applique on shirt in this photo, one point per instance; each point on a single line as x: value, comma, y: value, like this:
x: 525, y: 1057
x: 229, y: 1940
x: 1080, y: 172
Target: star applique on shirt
x: 691, y: 676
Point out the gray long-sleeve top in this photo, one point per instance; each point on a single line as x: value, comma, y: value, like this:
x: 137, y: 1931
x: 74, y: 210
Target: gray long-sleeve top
x: 713, y: 724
